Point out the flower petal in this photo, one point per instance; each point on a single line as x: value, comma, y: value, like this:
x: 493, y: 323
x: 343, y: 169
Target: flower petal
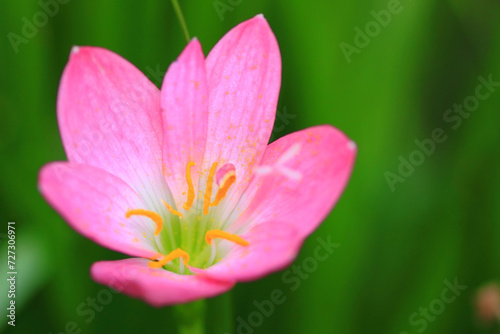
x: 94, y: 203
x: 272, y: 246
x: 109, y: 117
x: 324, y: 160
x: 184, y: 112
x: 157, y: 287
x: 244, y: 78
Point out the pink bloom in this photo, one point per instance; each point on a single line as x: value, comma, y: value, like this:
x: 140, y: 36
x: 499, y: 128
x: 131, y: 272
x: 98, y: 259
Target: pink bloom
x: 183, y: 179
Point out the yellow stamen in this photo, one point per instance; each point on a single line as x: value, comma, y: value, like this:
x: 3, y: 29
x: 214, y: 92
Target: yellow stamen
x: 171, y: 209
x: 208, y: 191
x: 222, y: 192
x: 150, y: 214
x: 190, y: 194
x: 157, y: 255
x: 214, y: 234
x: 171, y: 256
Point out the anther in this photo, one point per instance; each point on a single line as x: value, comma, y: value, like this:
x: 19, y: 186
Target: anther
x: 178, y: 253
x: 190, y: 193
x: 218, y: 234
x: 150, y: 214
x: 225, y: 177
x: 171, y: 209
x: 208, y: 191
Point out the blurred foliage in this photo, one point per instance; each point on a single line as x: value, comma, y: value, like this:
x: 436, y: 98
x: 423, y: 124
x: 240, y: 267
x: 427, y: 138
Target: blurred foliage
x: 396, y: 247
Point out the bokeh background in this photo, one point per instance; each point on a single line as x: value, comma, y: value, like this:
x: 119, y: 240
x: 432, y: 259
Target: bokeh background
x: 398, y: 245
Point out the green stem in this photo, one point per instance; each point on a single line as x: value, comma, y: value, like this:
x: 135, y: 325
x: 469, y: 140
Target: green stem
x: 191, y: 317
x: 220, y: 314
x: 182, y: 22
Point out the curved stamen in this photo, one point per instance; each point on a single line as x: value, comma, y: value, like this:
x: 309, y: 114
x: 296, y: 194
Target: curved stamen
x: 150, y: 214
x: 222, y: 192
x: 226, y: 176
x: 171, y: 209
x: 208, y: 190
x: 218, y: 234
x: 190, y: 193
x: 169, y: 257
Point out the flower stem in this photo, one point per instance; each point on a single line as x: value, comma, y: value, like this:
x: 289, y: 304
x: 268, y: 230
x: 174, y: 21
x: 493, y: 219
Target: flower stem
x: 220, y: 314
x: 182, y: 22
x: 191, y: 317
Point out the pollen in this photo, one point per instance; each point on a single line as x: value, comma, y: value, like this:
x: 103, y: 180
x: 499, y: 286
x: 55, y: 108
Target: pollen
x: 150, y: 214
x: 218, y: 234
x: 171, y: 209
x: 190, y: 193
x: 178, y: 253
x: 208, y: 191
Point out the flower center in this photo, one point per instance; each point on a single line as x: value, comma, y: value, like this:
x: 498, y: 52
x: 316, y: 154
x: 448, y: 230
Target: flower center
x: 180, y: 236
x: 192, y: 224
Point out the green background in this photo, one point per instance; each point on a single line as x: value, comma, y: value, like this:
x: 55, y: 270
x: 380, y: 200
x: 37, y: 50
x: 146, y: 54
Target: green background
x: 397, y: 246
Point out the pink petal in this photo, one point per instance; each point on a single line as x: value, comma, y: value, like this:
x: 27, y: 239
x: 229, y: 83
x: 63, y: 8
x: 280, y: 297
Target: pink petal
x: 325, y: 161
x: 94, y: 203
x: 273, y: 246
x: 244, y: 77
x: 109, y: 117
x: 184, y: 104
x: 157, y: 287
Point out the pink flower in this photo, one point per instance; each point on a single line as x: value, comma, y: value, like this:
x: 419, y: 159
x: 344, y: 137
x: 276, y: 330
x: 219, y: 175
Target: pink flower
x: 183, y: 179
